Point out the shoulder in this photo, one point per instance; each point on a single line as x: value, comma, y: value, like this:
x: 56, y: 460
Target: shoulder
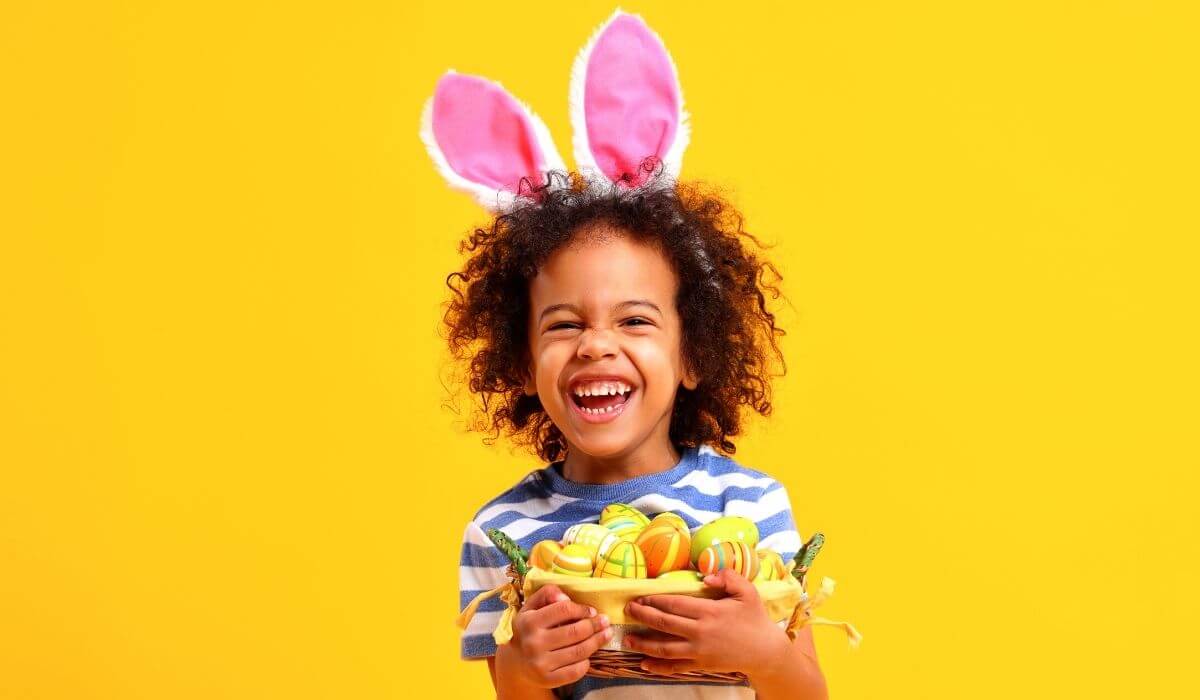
x: 527, y: 511
x: 716, y: 475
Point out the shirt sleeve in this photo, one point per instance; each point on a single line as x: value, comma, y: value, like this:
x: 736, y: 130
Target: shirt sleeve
x: 776, y: 526
x: 481, y: 567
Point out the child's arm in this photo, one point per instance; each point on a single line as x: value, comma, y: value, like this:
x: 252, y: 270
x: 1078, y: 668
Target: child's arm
x: 732, y: 633
x: 553, y: 638
x: 795, y: 675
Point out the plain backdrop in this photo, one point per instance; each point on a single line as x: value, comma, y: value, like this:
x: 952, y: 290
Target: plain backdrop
x: 228, y: 468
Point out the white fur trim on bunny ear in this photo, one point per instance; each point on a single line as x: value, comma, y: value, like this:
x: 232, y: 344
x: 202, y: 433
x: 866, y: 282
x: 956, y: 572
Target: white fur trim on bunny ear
x: 639, y: 119
x: 490, y: 151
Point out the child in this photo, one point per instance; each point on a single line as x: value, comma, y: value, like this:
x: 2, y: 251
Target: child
x: 613, y: 322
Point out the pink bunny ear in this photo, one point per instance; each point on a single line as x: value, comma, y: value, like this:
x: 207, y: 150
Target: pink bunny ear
x: 626, y: 104
x: 483, y: 140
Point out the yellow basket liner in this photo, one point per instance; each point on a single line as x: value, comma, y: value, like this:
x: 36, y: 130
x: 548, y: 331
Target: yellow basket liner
x: 784, y: 599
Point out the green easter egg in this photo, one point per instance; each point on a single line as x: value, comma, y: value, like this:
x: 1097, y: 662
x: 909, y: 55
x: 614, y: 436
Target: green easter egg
x: 730, y: 528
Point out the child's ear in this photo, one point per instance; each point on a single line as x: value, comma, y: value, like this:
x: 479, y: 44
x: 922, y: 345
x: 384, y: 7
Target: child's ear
x: 530, y: 384
x: 690, y: 380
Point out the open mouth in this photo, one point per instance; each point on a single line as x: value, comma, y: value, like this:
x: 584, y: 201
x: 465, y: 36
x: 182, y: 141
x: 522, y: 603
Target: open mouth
x: 601, y: 406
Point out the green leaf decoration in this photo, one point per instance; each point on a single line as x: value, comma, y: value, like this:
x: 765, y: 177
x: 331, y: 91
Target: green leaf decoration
x: 511, y: 549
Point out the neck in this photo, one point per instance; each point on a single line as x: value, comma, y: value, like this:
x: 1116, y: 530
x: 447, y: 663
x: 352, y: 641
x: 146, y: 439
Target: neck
x: 651, y: 457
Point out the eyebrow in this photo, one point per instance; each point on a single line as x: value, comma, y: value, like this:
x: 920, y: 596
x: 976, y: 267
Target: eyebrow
x: 616, y: 307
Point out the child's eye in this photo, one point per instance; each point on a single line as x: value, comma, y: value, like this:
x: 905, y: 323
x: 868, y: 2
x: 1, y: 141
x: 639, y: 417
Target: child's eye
x: 641, y: 321
x: 559, y: 325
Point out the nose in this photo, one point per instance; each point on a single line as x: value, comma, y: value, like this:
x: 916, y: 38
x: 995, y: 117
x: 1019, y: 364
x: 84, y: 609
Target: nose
x: 595, y: 343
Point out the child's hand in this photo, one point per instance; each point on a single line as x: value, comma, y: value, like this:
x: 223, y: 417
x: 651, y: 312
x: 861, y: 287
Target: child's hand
x: 552, y: 639
x: 732, y: 633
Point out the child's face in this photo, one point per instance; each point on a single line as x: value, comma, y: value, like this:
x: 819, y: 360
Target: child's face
x: 596, y: 333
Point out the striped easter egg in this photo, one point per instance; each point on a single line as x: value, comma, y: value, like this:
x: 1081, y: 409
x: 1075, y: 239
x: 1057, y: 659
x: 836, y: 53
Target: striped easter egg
x: 624, y: 560
x: 597, y: 538
x: 667, y: 547
x: 622, y: 510
x: 770, y: 566
x: 625, y: 527
x: 573, y: 560
x: 681, y: 575
x: 543, y: 553
x: 729, y: 555
x: 626, y: 522
x: 673, y: 518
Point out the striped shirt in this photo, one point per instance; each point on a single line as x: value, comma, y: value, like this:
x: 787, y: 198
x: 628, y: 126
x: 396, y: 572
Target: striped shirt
x: 704, y: 485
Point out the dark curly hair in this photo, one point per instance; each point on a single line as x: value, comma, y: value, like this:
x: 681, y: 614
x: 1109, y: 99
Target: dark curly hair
x: 726, y: 327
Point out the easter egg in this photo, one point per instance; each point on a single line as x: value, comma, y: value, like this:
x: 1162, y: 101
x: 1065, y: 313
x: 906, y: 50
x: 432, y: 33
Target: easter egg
x: 621, y: 510
x: 681, y: 575
x: 770, y: 566
x: 596, y: 538
x: 543, y: 553
x: 573, y: 560
x: 666, y: 546
x: 730, y: 528
x: 626, y: 522
x: 624, y: 560
x: 673, y: 518
x: 729, y: 555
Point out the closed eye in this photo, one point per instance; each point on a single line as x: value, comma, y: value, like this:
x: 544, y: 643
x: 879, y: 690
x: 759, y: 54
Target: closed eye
x: 640, y: 322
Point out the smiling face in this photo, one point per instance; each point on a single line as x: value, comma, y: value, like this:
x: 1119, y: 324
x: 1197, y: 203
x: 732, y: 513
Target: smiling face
x: 604, y: 306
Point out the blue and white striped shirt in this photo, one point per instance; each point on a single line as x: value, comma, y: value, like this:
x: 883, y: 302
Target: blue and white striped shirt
x: 704, y: 485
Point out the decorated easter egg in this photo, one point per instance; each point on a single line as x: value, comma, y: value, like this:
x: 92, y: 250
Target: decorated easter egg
x: 573, y: 560
x: 622, y: 510
x: 624, y: 560
x: 626, y: 522
x: 730, y: 528
x: 770, y: 566
x: 596, y: 538
x: 543, y: 553
x: 667, y: 546
x: 729, y: 555
x: 675, y: 519
x: 681, y: 575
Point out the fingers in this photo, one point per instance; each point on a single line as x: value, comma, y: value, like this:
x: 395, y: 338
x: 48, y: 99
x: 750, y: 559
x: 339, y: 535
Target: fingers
x: 568, y: 674
x: 572, y: 655
x: 735, y: 584
x: 681, y: 605
x: 563, y: 611
x: 544, y: 596
x: 575, y: 632
x: 663, y: 647
x: 660, y: 620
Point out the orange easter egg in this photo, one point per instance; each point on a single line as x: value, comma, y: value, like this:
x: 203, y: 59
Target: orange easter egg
x: 666, y: 546
x: 729, y: 555
x: 543, y: 553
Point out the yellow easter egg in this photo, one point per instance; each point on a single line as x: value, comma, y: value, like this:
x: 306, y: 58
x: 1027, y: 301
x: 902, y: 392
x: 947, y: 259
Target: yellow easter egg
x: 666, y: 546
x: 596, y: 538
x: 573, y: 560
x: 624, y: 560
x: 729, y: 555
x: 681, y: 575
x: 626, y: 522
x: 543, y: 553
x: 770, y: 566
x: 622, y: 510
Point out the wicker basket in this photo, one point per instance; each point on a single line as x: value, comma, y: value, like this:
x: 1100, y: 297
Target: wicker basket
x: 787, y: 601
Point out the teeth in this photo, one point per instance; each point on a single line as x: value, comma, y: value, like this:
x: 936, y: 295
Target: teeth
x: 602, y: 389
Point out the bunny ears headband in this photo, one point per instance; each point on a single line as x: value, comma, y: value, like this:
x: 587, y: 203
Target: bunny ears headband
x: 626, y: 107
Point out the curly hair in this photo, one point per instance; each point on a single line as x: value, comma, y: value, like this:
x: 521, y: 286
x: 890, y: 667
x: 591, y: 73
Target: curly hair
x: 727, y: 331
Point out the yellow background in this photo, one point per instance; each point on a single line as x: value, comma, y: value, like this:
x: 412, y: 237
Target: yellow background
x: 225, y: 467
